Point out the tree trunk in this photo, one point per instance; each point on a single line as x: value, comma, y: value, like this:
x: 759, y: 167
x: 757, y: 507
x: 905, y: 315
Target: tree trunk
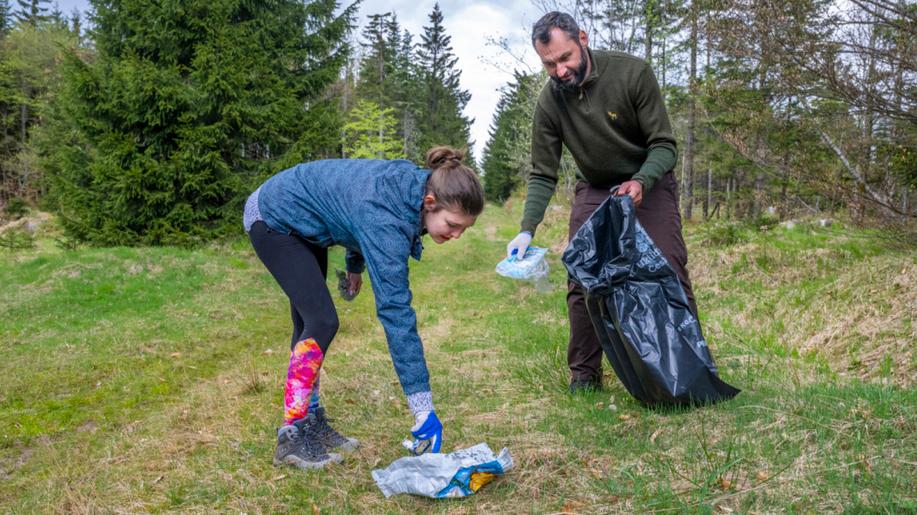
x: 869, y: 117
x: 648, y: 12
x: 707, y: 197
x: 692, y: 118
x: 760, y: 195
x: 885, y: 204
x: 664, y: 65
x: 784, y: 201
x: 23, y: 122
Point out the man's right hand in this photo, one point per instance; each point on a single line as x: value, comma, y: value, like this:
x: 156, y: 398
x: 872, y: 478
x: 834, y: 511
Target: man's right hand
x: 634, y: 189
x: 519, y: 244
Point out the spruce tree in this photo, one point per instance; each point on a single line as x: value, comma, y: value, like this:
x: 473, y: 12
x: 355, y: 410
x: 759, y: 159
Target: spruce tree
x: 507, y: 156
x: 441, y: 121
x: 388, y: 77
x: 185, y: 108
x: 370, y: 132
x: 378, y: 62
x: 32, y: 11
x: 6, y: 17
x: 499, y: 180
x: 76, y: 24
x: 57, y: 16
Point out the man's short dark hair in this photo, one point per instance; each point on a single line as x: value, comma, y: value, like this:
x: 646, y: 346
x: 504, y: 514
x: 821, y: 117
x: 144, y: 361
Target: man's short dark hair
x: 541, y: 31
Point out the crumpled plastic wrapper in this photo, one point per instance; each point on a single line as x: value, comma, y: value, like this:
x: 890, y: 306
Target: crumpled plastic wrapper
x: 533, y: 265
x: 457, y: 474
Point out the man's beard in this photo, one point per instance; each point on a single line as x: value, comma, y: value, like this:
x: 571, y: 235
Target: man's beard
x: 578, y: 75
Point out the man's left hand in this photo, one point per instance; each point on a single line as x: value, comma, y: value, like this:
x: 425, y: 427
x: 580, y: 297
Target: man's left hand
x: 632, y: 188
x: 355, y: 282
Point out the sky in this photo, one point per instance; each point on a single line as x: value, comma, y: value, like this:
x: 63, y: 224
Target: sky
x: 473, y: 25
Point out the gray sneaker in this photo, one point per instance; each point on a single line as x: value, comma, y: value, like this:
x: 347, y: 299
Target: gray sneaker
x: 319, y: 426
x: 296, y: 446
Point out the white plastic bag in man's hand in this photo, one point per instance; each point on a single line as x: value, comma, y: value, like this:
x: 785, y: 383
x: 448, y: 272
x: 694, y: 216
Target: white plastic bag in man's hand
x: 533, y: 266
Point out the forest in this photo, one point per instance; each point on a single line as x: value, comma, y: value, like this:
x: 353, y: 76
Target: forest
x: 139, y: 124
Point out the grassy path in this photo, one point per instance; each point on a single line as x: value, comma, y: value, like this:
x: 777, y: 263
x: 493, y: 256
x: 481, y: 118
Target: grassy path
x: 138, y: 380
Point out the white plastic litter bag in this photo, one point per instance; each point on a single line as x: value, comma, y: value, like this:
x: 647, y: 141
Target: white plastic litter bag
x: 532, y: 267
x: 457, y: 474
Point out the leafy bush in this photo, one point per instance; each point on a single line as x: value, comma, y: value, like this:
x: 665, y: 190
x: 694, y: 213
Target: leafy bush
x: 16, y: 208
x: 763, y: 222
x: 723, y: 234
x: 17, y: 239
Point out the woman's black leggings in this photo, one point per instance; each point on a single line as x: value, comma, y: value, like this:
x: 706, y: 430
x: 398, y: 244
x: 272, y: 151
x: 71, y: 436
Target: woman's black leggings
x: 300, y: 268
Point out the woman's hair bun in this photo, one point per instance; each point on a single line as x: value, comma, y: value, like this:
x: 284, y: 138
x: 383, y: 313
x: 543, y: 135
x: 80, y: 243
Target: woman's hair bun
x: 452, y: 183
x: 439, y: 156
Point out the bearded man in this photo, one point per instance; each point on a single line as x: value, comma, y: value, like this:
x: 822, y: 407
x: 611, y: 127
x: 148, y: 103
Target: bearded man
x: 606, y: 108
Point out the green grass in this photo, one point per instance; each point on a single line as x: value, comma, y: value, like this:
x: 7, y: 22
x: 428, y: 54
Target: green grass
x: 150, y: 379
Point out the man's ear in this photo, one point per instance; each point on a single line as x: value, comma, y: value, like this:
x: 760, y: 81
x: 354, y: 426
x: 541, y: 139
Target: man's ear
x: 429, y: 202
x: 583, y: 39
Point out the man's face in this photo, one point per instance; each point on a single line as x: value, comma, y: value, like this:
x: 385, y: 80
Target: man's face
x: 564, y: 58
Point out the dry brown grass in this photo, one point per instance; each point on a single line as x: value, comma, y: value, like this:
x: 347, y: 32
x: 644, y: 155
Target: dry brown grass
x: 875, y: 323
x: 860, y: 320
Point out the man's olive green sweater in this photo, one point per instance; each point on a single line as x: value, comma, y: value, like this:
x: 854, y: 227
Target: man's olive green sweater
x: 615, y: 126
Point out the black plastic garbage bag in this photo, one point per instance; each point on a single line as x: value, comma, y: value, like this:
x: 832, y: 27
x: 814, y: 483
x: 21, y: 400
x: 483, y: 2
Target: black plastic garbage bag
x: 640, y: 311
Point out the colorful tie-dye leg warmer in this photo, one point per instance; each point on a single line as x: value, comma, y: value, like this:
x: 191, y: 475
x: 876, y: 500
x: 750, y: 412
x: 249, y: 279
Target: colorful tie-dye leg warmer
x: 305, y: 363
x: 314, y: 401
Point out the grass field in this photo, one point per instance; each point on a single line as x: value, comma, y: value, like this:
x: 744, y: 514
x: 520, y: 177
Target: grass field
x: 150, y: 380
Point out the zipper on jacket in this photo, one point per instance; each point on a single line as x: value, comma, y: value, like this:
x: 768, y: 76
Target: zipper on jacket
x: 584, y: 97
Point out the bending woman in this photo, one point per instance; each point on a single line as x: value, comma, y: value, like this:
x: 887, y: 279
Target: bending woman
x: 378, y: 210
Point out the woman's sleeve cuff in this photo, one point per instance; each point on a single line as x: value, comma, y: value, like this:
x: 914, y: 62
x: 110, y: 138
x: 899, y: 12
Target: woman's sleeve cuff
x: 420, y: 401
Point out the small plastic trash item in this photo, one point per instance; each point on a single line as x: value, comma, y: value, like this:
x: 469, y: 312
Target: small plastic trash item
x: 457, y: 474
x: 344, y: 285
x: 532, y: 267
x: 416, y: 447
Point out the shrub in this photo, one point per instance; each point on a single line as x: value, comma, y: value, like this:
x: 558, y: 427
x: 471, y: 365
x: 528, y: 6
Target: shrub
x: 16, y: 208
x: 723, y: 234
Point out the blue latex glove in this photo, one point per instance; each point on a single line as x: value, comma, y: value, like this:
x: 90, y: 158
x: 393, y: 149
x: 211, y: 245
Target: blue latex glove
x: 427, y: 433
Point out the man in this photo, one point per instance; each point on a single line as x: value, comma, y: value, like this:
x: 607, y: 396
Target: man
x: 606, y: 108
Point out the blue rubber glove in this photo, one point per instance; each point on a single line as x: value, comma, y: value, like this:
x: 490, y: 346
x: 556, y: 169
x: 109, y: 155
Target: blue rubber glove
x: 427, y: 433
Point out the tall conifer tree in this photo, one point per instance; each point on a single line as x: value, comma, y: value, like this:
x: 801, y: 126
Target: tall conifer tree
x: 388, y: 76
x: 507, y: 155
x: 187, y: 106
x: 32, y: 11
x: 6, y: 17
x: 441, y: 120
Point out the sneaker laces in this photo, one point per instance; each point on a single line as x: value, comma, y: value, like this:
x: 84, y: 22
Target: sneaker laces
x: 307, y: 441
x: 322, y: 427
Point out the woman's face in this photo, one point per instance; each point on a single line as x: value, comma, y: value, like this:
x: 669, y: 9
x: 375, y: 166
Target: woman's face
x: 444, y: 224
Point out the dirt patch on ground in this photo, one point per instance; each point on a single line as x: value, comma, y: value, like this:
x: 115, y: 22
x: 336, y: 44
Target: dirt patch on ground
x: 490, y: 232
x: 14, y: 459
x: 30, y: 224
